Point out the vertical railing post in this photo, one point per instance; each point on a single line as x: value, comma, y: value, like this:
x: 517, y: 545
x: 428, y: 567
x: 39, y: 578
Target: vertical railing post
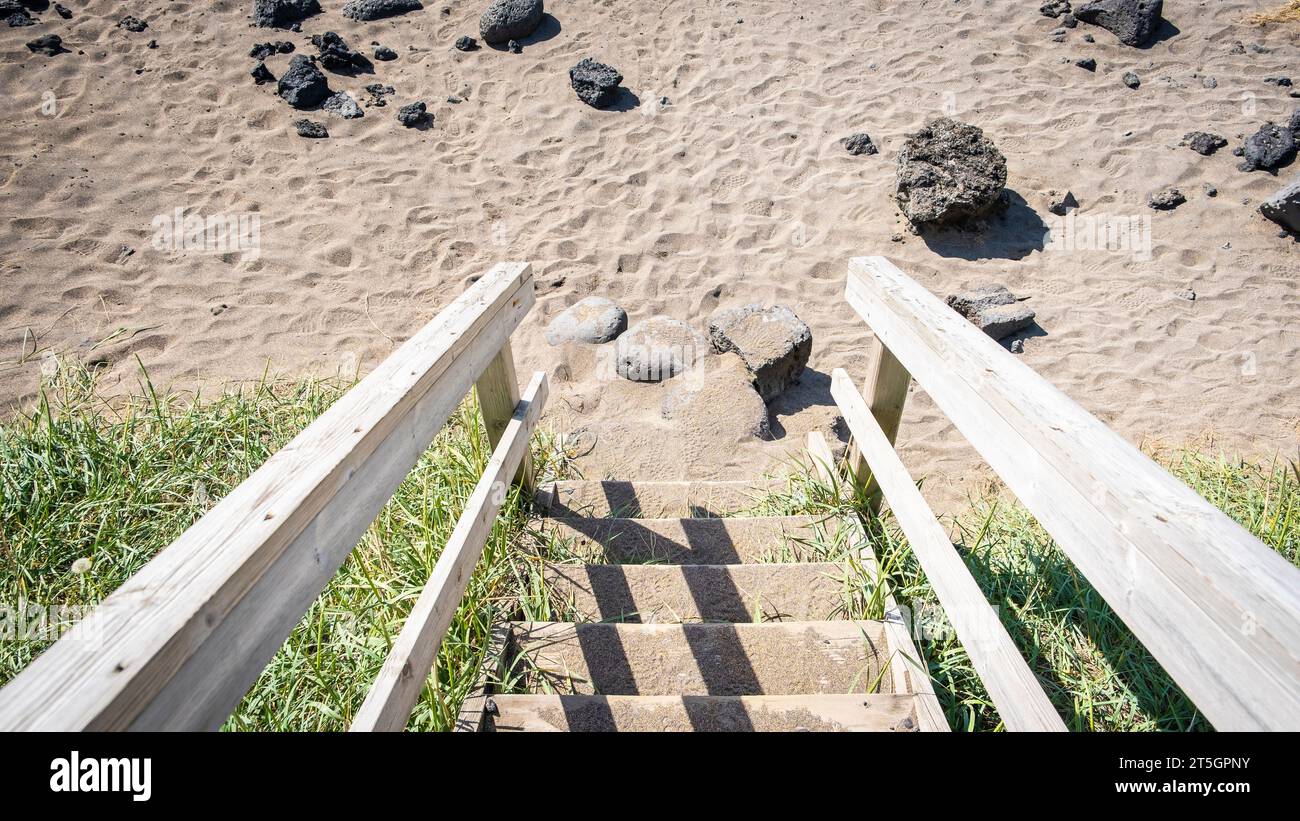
x: 886, y: 392
x: 498, y: 393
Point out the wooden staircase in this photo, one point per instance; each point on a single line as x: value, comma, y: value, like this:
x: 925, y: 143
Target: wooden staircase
x: 688, y: 615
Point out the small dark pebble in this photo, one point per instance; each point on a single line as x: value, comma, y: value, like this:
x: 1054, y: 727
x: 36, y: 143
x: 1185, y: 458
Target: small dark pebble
x: 413, y: 114
x: 466, y: 44
x: 384, y: 53
x: 63, y: 11
x: 859, y: 144
x: 1087, y: 63
x: 133, y: 24
x: 1132, y: 80
x: 514, y: 47
x: 1166, y: 200
x: 1280, y: 82
x: 261, y: 74
x: 310, y: 130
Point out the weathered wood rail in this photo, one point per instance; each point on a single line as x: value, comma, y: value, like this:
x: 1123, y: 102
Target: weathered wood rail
x: 179, y: 644
x: 1214, y: 605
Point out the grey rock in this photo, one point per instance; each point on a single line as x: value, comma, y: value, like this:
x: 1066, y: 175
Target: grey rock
x: 1017, y: 346
x: 1210, y: 82
x: 311, y: 130
x: 384, y: 54
x: 335, y: 55
x: 1187, y: 294
x: 949, y: 172
x: 1269, y: 148
x: 594, y: 320
x: 1210, y: 190
x: 993, y: 309
x: 1134, y: 22
x: 1166, y: 200
x: 773, y: 342
x: 658, y: 348
x: 343, y: 105
x: 49, y: 45
x: 63, y: 11
x: 1063, y: 205
x: 1132, y: 80
x: 1203, y: 143
x: 466, y: 44
x: 515, y: 47
x: 1087, y: 63
x: 378, y: 9
x: 413, y: 114
x: 859, y: 144
x: 507, y: 20
x: 1054, y: 8
x: 595, y: 83
x: 134, y: 24
x: 303, y: 85
x: 1284, y: 206
x: 16, y: 16
x: 268, y: 13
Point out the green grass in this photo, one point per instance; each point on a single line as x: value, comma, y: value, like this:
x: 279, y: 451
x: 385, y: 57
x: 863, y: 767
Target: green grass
x: 82, y: 477
x: 1091, y: 666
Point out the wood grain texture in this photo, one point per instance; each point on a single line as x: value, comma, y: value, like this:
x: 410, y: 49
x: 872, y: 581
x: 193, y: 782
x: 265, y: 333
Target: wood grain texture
x: 885, y: 390
x: 388, y: 705
x: 180, y: 642
x: 1015, y: 691
x: 498, y: 394
x: 1216, y: 607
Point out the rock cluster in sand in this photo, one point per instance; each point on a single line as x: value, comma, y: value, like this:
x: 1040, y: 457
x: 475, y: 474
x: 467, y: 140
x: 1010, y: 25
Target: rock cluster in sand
x: 949, y: 172
x: 993, y: 309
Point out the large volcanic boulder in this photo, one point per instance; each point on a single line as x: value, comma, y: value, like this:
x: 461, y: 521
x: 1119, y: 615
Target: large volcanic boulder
x: 268, y: 13
x: 507, y: 20
x: 993, y: 309
x: 595, y: 83
x: 773, y: 343
x: 377, y: 9
x: 303, y: 85
x: 1132, y: 21
x: 1271, y: 147
x: 948, y: 172
x: 593, y: 321
x: 719, y: 405
x: 1284, y: 207
x: 658, y: 348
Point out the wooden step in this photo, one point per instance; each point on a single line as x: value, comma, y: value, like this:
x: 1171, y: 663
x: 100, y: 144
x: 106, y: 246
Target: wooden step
x: 693, y: 541
x: 778, y: 658
x: 651, y: 593
x: 654, y: 500
x: 814, y: 713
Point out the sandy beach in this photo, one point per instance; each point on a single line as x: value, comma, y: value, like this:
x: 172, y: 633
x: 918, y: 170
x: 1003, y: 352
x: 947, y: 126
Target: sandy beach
x: 720, y: 180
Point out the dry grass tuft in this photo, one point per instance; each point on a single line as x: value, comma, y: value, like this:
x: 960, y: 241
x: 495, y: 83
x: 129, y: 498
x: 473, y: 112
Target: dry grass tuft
x: 1289, y: 13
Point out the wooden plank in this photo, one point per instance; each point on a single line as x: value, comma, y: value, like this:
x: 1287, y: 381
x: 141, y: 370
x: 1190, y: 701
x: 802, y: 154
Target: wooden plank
x: 909, y: 672
x: 388, y: 705
x: 1019, y: 697
x: 1216, y: 607
x: 886, y: 392
x: 180, y: 642
x: 498, y: 394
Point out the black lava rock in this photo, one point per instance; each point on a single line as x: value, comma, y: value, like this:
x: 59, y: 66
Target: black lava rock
x: 1280, y: 82
x: 336, y: 56
x: 1203, y: 143
x: 596, y: 83
x: 1132, y: 80
x: 413, y: 114
x: 261, y: 74
x: 63, y: 11
x: 377, y: 9
x: 1284, y: 207
x: 261, y: 51
x: 378, y: 94
x: 1055, y: 8
x: 1273, y: 146
x: 1166, y: 200
x: 19, y: 18
x: 507, y: 20
x: 311, y: 130
x: 1087, y: 63
x: 859, y: 144
x: 133, y: 24
x: 515, y: 47
x: 49, y: 45
x: 466, y: 44
x: 385, y: 54
x: 1134, y: 22
x: 303, y: 85
x: 1064, y: 205
x: 268, y: 13
x: 949, y: 172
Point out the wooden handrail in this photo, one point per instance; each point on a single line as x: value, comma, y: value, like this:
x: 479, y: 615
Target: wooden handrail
x: 391, y: 699
x: 180, y: 642
x: 1015, y: 691
x: 1216, y: 607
